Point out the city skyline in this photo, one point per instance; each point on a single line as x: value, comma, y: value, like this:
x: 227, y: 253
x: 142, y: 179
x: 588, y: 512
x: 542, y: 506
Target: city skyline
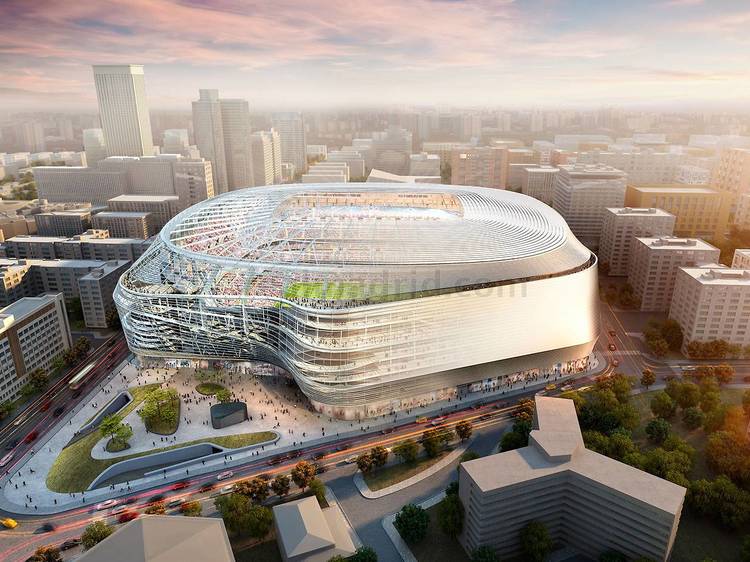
x: 683, y: 53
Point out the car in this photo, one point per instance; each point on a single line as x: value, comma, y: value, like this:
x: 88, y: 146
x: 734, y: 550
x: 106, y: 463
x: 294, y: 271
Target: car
x: 70, y: 543
x: 274, y: 461
x: 350, y: 460
x: 177, y: 502
x: 319, y: 468
x: 317, y: 456
x: 31, y: 437
x: 477, y: 405
x: 118, y: 509
x: 106, y: 504
x: 207, y: 487
x: 47, y: 528
x: 566, y: 387
x: 387, y: 430
x: 485, y: 417
x: 46, y: 406
x: 612, y: 333
x: 228, y: 489
x: 421, y: 419
x: 612, y: 347
x: 58, y: 411
x: 294, y: 454
x: 127, y: 516
x: 344, y: 446
x: 551, y: 386
x: 437, y: 421
x: 77, y: 394
x: 131, y: 500
x: 224, y: 475
x: 181, y: 485
x: 8, y: 523
x: 10, y: 445
x: 156, y: 498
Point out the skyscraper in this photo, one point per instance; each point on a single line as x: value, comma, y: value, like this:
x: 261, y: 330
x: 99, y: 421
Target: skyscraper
x: 121, y: 92
x: 291, y: 129
x: 93, y: 144
x: 209, y: 135
x: 235, y: 119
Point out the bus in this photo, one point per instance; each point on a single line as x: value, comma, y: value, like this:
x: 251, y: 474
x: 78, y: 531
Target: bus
x: 80, y: 379
x: 7, y: 458
x: 421, y: 419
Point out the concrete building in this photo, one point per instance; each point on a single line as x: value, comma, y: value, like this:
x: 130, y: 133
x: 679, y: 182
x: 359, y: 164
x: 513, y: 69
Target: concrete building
x: 79, y: 184
x: 379, y: 176
x: 712, y: 303
x: 645, y: 166
x: 693, y: 175
x: 266, y: 163
x: 483, y: 167
x: 163, y: 538
x: 741, y: 259
x: 445, y: 149
x: 307, y: 533
x: 700, y: 211
x: 354, y: 160
x: 208, y: 129
x: 732, y: 175
x: 742, y: 212
x: 161, y: 208
x: 177, y: 141
x: 391, y: 150
x: 94, y: 146
x: 327, y: 172
x: 316, y: 151
x: 91, y: 245
x: 583, y: 193
x: 654, y: 263
x: 424, y: 164
x: 291, y: 129
x: 235, y: 119
x: 11, y: 226
x: 63, y: 223
x: 121, y: 224
x: 587, y: 501
x: 621, y: 226
x: 33, y: 332
x: 193, y: 181
x: 539, y: 182
x: 95, y: 290
x: 121, y: 93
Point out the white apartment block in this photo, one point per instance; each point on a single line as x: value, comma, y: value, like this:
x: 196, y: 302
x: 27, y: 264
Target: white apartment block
x: 121, y: 93
x: 291, y: 129
x: 693, y: 175
x: 33, y: 332
x: 91, y: 245
x: 539, y: 182
x: 587, y: 501
x: 95, y: 290
x: 654, y: 263
x: 741, y: 259
x: 424, y: 164
x: 742, y: 211
x: 317, y: 151
x: 161, y: 208
x: 327, y: 172
x: 122, y: 224
x: 76, y: 184
x: 353, y: 159
x: 574, y: 141
x: 445, y: 149
x: 644, y: 166
x: 621, y: 226
x: 712, y: 303
x: 482, y: 167
x: 583, y: 192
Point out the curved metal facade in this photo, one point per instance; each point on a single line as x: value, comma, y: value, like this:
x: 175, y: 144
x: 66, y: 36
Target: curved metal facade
x: 375, y: 297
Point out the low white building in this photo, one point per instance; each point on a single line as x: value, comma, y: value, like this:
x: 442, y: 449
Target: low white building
x: 741, y: 259
x: 539, y: 182
x: 690, y: 174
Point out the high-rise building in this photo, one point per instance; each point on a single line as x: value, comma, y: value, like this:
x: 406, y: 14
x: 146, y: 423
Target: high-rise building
x: 654, y: 263
x: 176, y: 141
x: 539, y: 182
x: 620, y: 227
x: 712, y: 303
x: 121, y: 92
x: 392, y: 149
x: 193, y: 181
x: 235, y: 119
x: 732, y: 175
x: 482, y: 167
x: 424, y: 164
x: 91, y: 245
x: 582, y: 193
x: 291, y: 129
x: 266, y: 163
x: 209, y: 136
x: 94, y: 146
x: 645, y: 166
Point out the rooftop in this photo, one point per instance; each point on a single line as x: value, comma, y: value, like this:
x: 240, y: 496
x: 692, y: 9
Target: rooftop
x: 25, y: 306
x: 673, y: 188
x: 719, y: 276
x: 122, y: 214
x: 145, y: 198
x: 675, y: 243
x: 638, y: 211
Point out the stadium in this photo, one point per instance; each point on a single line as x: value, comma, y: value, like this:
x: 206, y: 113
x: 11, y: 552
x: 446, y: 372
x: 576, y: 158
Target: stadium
x: 373, y: 297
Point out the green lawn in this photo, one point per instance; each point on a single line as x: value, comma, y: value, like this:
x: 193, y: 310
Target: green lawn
x: 387, y: 476
x: 437, y: 546
x: 75, y: 469
x: 209, y: 388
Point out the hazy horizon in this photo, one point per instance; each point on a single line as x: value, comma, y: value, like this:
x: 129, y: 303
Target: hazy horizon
x: 680, y: 54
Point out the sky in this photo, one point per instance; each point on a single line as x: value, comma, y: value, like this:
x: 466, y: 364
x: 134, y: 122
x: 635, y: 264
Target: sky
x: 357, y: 53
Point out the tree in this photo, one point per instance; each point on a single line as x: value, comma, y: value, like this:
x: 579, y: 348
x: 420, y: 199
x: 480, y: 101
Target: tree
x: 525, y: 409
x: 693, y: 417
x: 280, y: 485
x: 49, y: 553
x: 379, y: 455
x: 406, y: 450
x: 255, y: 489
x: 671, y: 331
x: 38, y: 379
x: 58, y: 363
x: 714, y: 419
x: 464, y: 429
x: 452, y: 489
x: 242, y: 518
x: 82, y: 346
x: 468, y: 455
x: 191, y: 509
x: 112, y: 318
x: 95, y: 533
x: 160, y: 405
x: 451, y: 515
x: 223, y: 395
x: 411, y: 523
x: 728, y: 452
x: 156, y: 508
x: 613, y: 556
x: 364, y: 554
x: 434, y: 441
x: 689, y: 395
x: 364, y: 462
x: 659, y: 347
x: 662, y: 405
x: 746, y: 402
x: 724, y: 373
x: 113, y: 427
x: 745, y: 550
x: 512, y: 440
x: 302, y: 473
x: 710, y: 401
x: 658, y: 430
x: 484, y: 554
x: 648, y: 378
x: 319, y: 491
x: 6, y: 408
x: 536, y: 543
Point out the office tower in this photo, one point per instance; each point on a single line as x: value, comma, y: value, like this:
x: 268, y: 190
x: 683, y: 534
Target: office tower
x: 93, y: 145
x: 121, y: 92
x: 176, y: 141
x: 291, y: 129
x: 161, y: 208
x: 125, y: 224
x: 32, y: 137
x: 193, y: 181
x: 620, y: 227
x: 276, y: 146
x: 208, y: 130
x: 65, y: 128
x: 424, y: 164
x: 539, y: 182
x: 700, y: 211
x: 582, y: 193
x: 392, y: 149
x: 63, y: 223
x: 654, y: 263
x: 266, y: 157
x: 587, y: 501
x: 34, y: 331
x: 235, y: 119
x: 353, y: 159
x: 482, y: 167
x: 711, y: 303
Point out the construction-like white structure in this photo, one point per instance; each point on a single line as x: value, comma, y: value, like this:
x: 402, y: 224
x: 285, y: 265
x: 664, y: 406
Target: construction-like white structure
x: 375, y: 297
